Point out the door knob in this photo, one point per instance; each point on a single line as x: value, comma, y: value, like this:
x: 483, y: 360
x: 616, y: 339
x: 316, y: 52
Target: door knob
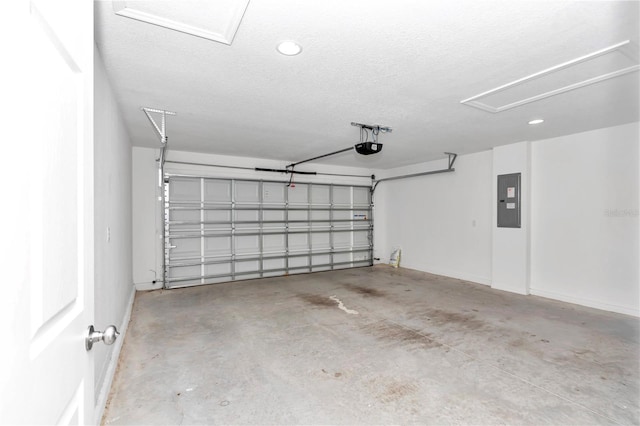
x: 108, y: 336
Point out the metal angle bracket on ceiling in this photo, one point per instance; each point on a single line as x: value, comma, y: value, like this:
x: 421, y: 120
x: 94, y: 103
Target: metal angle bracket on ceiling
x: 161, y: 129
x: 373, y: 127
x: 451, y: 160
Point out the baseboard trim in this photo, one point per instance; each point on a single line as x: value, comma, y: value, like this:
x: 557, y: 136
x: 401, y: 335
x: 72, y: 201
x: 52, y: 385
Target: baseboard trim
x: 507, y: 288
x: 148, y: 286
x: 113, y: 362
x: 478, y: 279
x: 585, y: 302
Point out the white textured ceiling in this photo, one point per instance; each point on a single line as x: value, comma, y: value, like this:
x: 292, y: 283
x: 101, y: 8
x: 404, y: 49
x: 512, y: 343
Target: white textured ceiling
x: 404, y: 64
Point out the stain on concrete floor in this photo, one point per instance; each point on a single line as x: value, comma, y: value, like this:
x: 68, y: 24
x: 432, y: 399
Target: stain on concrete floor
x: 280, y: 351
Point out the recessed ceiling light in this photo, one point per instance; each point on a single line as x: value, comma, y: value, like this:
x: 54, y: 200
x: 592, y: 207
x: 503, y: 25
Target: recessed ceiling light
x: 536, y: 121
x: 289, y: 48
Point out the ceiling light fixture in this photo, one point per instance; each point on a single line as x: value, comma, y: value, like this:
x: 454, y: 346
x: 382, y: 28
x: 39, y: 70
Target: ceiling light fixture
x: 536, y: 121
x: 289, y: 48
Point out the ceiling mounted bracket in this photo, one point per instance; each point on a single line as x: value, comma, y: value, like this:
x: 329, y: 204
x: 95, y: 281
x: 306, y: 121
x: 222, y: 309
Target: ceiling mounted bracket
x: 375, y: 128
x: 452, y: 159
x: 161, y: 129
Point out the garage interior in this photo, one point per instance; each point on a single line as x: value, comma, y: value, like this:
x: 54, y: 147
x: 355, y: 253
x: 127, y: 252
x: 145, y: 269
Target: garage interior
x: 255, y: 197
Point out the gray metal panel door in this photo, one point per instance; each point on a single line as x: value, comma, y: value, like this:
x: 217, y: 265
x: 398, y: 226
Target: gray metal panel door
x: 509, y: 200
x: 221, y: 230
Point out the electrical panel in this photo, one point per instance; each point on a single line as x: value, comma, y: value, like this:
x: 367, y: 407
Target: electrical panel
x: 509, y: 201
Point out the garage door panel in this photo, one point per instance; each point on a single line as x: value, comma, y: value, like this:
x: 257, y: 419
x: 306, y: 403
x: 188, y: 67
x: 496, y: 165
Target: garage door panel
x: 362, y: 257
x: 320, y: 241
x: 360, y: 214
x: 218, y: 269
x: 342, y: 215
x: 246, y: 266
x: 217, y: 191
x: 298, y: 215
x: 361, y: 196
x: 246, y: 215
x: 189, y: 282
x: 273, y: 215
x: 341, y: 195
x: 273, y: 193
x: 217, y: 215
x: 342, y: 257
x: 342, y: 239
x: 320, y: 194
x: 246, y: 244
x: 247, y: 192
x: 361, y: 238
x: 271, y: 264
x: 298, y: 242
x: 185, y: 247
x: 184, y: 189
x: 273, y: 219
x: 217, y: 246
x: 323, y: 259
x: 185, y: 215
x: 320, y: 215
x: 232, y: 229
x: 275, y: 243
x: 298, y: 195
x: 185, y: 271
x: 216, y: 228
x: 192, y: 229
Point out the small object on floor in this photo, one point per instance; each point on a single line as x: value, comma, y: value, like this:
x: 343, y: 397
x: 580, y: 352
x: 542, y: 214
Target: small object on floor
x: 394, y: 260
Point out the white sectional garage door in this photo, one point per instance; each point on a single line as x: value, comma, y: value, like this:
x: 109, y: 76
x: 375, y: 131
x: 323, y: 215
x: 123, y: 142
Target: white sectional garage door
x: 219, y: 230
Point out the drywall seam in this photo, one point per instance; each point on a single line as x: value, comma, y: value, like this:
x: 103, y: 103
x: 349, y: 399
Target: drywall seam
x: 113, y: 361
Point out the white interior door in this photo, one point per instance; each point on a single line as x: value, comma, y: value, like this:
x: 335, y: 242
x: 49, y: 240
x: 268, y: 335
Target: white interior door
x: 46, y: 375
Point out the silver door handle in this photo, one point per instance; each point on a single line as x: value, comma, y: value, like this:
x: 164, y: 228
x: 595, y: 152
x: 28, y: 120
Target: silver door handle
x: 109, y: 336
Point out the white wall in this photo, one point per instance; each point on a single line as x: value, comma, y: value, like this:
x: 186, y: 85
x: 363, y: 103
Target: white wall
x: 579, y: 241
x: 442, y: 222
x: 147, y: 222
x: 510, y: 257
x: 585, y: 219
x: 580, y: 237
x: 113, y: 281
x: 146, y: 219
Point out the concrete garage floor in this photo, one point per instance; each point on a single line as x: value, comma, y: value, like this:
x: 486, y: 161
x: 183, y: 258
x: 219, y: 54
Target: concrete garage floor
x: 372, y: 346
